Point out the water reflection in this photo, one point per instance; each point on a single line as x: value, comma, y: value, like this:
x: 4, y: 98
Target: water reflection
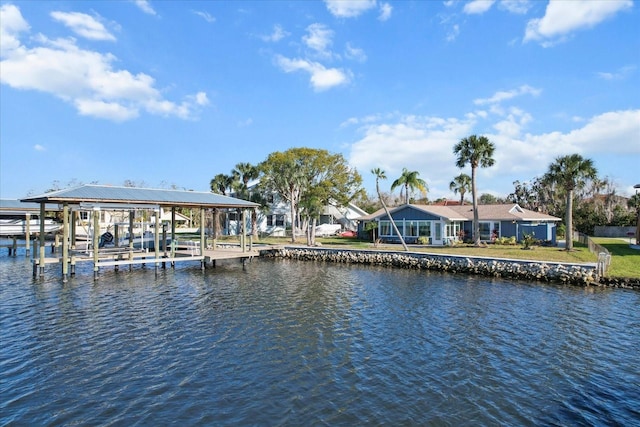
x: 290, y: 343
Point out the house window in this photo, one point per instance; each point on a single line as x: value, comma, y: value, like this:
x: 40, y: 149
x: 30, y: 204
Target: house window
x: 411, y: 229
x: 270, y: 220
x: 452, y: 230
x: 270, y: 198
x: 386, y: 229
x: 280, y: 220
x: 489, y: 230
x: 424, y: 228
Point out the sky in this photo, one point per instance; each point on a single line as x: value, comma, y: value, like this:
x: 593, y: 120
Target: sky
x: 168, y: 94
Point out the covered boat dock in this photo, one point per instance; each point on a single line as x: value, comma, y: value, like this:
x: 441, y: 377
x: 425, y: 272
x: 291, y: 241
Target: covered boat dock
x: 18, y: 219
x: 94, y: 198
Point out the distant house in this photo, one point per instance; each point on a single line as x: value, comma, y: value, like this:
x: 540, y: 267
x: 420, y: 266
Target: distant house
x: 276, y: 219
x: 442, y: 225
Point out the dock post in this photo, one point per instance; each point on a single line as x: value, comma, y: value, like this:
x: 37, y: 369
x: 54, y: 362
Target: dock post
x: 202, y: 239
x: 156, y: 240
x: 28, y: 236
x: 131, y: 217
x: 96, y: 242
x: 41, y: 248
x: 73, y: 222
x: 173, y: 236
x: 244, y: 230
x: 14, y: 247
x: 65, y: 242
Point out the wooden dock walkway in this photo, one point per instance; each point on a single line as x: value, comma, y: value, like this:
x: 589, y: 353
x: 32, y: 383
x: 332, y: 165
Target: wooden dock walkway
x: 116, y: 257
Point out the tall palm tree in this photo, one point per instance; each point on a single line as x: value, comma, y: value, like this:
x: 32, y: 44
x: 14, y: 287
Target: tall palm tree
x: 478, y: 152
x: 461, y: 184
x: 221, y: 183
x: 245, y: 173
x: 409, y: 180
x: 379, y: 173
x: 570, y: 173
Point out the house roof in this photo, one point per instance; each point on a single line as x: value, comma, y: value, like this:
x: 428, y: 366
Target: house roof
x: 504, y: 212
x: 141, y: 196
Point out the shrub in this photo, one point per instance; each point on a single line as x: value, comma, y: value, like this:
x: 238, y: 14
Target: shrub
x: 423, y: 240
x: 528, y: 240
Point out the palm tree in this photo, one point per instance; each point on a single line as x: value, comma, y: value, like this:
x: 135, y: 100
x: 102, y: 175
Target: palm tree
x: 478, y: 152
x: 245, y: 173
x: 409, y: 180
x: 221, y: 183
x: 461, y: 184
x: 570, y: 173
x: 379, y: 173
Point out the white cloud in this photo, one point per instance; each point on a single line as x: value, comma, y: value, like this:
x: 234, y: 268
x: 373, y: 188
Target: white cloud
x: 349, y: 8
x: 84, y: 78
x: 322, y: 78
x: 476, y: 7
x: 205, y: 15
x: 245, y: 123
x: 11, y: 25
x: 39, y: 147
x: 278, y: 34
x: 355, y: 53
x: 620, y: 74
x: 425, y: 144
x: 453, y: 33
x: 564, y: 17
x: 418, y: 143
x: 505, y: 95
x: 385, y: 12
x: 516, y: 6
x: 145, y: 6
x: 83, y: 25
x: 105, y: 110
x: 318, y: 38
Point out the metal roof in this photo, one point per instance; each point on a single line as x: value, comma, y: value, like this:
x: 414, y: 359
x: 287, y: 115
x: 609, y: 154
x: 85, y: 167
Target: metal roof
x: 16, y: 207
x: 91, y: 193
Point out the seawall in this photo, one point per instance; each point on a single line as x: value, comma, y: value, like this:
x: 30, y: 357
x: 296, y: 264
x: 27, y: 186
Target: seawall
x: 574, y: 274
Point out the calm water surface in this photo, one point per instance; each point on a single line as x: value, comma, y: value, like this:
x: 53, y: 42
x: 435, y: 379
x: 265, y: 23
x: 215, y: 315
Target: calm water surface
x: 294, y: 343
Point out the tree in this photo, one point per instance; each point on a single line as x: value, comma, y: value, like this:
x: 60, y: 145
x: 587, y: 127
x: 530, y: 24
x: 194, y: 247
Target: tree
x: 306, y: 177
x: 478, y: 152
x: 570, y: 173
x: 243, y: 174
x: 461, y: 184
x: 379, y: 173
x: 221, y: 183
x: 410, y: 181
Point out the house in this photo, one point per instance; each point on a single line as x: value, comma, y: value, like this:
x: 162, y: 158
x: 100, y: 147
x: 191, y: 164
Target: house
x: 446, y: 224
x: 275, y: 220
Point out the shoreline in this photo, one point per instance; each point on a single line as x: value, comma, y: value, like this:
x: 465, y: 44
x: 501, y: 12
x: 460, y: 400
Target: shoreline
x: 540, y: 271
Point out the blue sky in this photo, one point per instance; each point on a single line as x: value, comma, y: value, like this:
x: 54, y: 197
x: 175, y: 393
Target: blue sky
x: 171, y: 93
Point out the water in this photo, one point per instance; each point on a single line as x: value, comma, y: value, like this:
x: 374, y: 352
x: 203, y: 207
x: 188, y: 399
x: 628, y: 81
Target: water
x: 293, y: 343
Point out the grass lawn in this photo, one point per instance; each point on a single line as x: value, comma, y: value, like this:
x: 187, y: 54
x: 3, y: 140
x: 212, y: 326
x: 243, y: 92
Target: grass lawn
x: 625, y: 262
x: 580, y: 255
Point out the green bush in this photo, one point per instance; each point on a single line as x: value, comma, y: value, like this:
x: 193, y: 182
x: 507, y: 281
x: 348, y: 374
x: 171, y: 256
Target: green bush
x: 528, y: 240
x: 423, y: 240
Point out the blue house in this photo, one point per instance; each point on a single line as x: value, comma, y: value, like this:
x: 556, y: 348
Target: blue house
x: 442, y: 225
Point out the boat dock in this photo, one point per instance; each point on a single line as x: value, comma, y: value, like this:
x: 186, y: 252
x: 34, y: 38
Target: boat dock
x: 117, y: 257
x: 92, y: 199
